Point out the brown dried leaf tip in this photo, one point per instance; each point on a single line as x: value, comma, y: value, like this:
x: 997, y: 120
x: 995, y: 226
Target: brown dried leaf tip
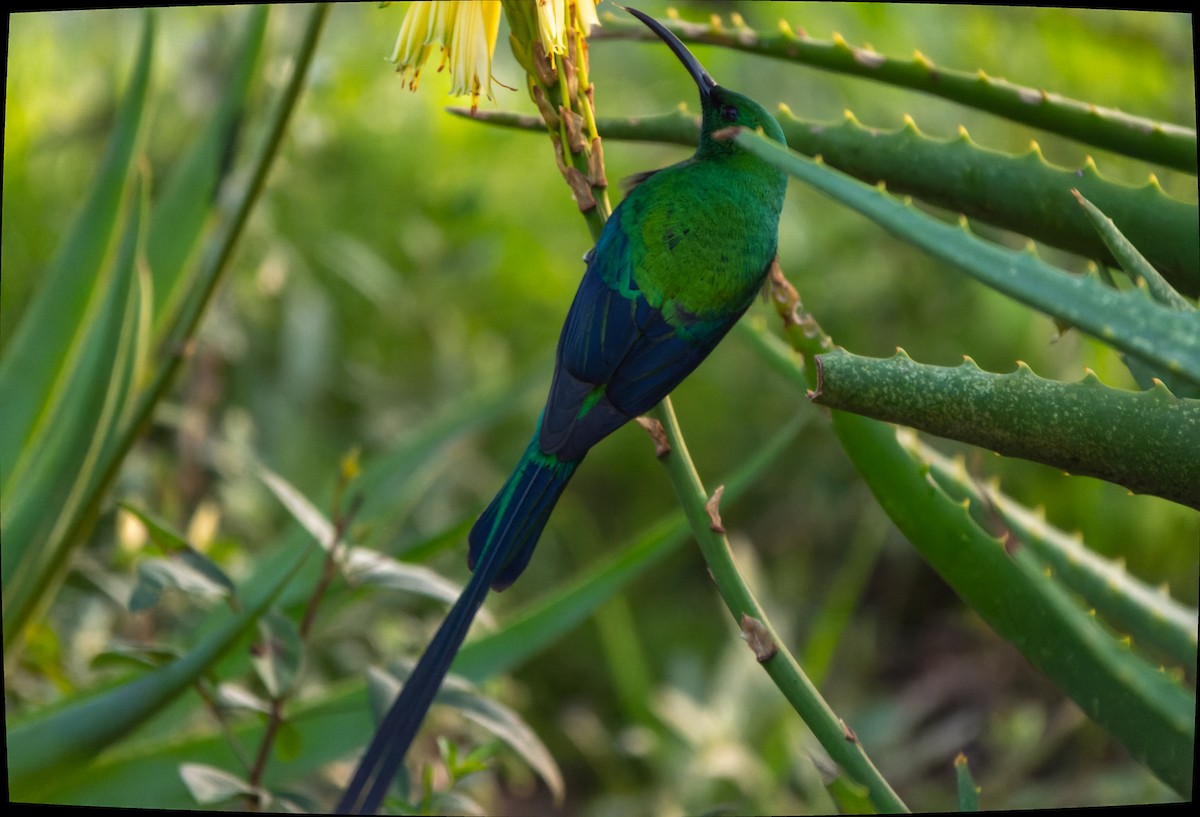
x: 815, y: 394
x: 755, y: 633
x: 787, y: 299
x: 713, y: 506
x: 657, y: 433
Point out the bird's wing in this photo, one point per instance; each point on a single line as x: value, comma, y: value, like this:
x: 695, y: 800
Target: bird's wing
x: 618, y: 355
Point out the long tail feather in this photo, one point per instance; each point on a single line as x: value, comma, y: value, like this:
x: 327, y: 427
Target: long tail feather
x: 501, y: 544
x: 385, y: 755
x: 514, y: 521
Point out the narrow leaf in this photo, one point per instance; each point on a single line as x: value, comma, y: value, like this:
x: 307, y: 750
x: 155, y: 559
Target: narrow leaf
x: 53, y: 491
x: 156, y: 575
x: 278, y: 654
x: 209, y: 785
x: 361, y: 565
x: 1132, y: 261
x: 47, y: 343
x: 303, y: 511
x: 370, y: 567
x: 497, y: 719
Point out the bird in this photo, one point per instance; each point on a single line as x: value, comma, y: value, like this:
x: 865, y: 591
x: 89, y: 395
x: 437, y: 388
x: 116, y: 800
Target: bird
x: 676, y: 265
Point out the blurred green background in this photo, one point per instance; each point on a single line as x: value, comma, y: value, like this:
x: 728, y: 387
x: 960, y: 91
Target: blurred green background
x: 403, y: 258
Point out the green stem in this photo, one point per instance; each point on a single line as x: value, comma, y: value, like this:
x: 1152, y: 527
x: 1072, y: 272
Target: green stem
x: 833, y: 734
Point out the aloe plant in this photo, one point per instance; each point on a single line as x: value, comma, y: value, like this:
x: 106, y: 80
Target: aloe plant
x: 252, y: 707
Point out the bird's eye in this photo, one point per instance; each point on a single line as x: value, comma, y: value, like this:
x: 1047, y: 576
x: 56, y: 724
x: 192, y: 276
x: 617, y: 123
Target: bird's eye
x: 729, y: 113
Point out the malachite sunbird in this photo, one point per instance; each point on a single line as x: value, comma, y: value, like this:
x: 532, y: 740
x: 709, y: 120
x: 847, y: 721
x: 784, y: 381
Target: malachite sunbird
x: 676, y: 265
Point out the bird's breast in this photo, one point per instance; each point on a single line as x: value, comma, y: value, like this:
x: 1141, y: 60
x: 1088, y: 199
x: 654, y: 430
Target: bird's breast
x: 702, y: 251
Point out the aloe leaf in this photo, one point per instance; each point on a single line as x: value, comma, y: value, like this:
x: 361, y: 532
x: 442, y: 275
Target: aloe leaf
x: 1147, y: 441
x: 1140, y: 705
x: 1133, y: 262
x: 1171, y: 145
x: 48, y: 342
x: 1151, y: 617
x: 136, y: 411
x: 1144, y: 275
x: 54, y: 738
x: 1129, y: 321
x: 1022, y: 193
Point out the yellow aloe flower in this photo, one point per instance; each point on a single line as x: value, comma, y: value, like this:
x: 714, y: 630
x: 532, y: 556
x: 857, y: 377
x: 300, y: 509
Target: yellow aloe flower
x: 465, y: 31
x: 472, y: 43
x: 554, y: 17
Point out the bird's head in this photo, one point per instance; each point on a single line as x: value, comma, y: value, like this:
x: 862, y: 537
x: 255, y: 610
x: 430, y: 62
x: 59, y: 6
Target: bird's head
x: 720, y: 107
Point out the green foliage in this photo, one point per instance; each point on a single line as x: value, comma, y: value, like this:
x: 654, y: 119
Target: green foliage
x: 399, y: 289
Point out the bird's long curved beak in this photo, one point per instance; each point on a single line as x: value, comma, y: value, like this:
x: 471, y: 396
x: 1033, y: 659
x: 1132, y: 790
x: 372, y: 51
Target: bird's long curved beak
x: 703, y: 81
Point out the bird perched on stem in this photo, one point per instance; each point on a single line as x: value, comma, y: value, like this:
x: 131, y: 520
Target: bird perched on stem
x: 676, y: 265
